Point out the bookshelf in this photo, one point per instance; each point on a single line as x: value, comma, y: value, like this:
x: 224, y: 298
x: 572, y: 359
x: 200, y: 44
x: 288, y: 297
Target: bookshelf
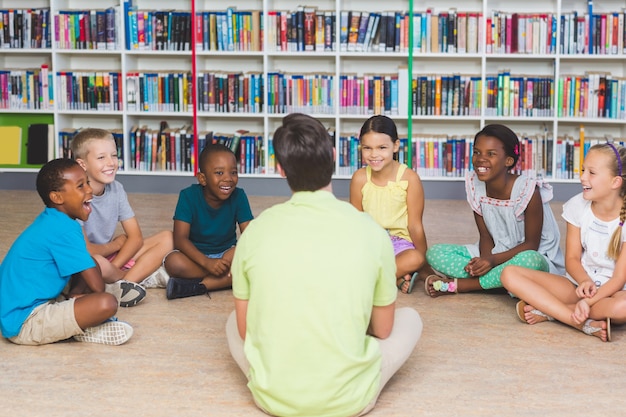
x: 454, y: 68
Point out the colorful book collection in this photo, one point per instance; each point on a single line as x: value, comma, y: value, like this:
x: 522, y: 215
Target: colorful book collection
x: 527, y: 96
x: 67, y: 134
x: 26, y: 89
x: 451, y: 31
x: 160, y: 30
x: 162, y: 149
x: 224, y: 92
x: 593, y: 33
x: 584, y: 33
x: 87, y: 29
x: 85, y: 90
x: 446, y: 95
x: 305, y: 29
x: 521, y: 33
x: 306, y: 93
x: 25, y: 28
x: 595, y: 95
x: 369, y: 94
x: 229, y: 30
x: 158, y: 92
x: 570, y: 152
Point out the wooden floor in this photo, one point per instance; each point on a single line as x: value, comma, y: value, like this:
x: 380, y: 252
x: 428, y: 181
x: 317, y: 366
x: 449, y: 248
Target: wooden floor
x: 475, y: 357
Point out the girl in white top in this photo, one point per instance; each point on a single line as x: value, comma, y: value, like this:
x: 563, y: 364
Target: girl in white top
x: 592, y: 295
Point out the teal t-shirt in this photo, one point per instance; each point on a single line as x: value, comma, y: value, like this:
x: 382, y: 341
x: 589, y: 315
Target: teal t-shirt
x: 311, y: 269
x: 212, y: 230
x: 38, y: 266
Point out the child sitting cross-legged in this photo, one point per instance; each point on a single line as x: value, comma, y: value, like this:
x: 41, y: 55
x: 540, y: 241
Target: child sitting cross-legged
x: 129, y: 261
x: 204, y: 226
x: 50, y: 287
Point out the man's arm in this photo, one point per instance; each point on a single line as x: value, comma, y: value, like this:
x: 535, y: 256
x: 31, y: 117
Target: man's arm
x: 241, y: 312
x: 381, y: 322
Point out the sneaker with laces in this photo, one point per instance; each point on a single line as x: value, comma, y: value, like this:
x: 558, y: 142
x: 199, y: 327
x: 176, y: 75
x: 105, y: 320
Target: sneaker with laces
x: 128, y: 293
x: 111, y: 332
x: 181, y: 288
x: 157, y: 279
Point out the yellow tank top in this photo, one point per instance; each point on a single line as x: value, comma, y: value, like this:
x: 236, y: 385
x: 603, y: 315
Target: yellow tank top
x: 387, y: 204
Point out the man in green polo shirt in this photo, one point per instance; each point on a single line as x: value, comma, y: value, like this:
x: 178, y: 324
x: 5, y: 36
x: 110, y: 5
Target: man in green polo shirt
x: 315, y: 328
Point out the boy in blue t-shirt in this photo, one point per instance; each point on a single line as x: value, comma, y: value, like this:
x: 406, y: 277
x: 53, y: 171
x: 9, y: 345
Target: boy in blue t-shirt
x: 50, y: 254
x: 205, y: 226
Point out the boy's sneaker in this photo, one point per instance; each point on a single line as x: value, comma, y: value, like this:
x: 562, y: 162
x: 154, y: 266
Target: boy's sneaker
x: 128, y: 293
x: 111, y: 332
x: 157, y: 279
x: 181, y: 288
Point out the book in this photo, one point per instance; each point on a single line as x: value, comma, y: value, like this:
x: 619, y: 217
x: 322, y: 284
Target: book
x: 344, y: 26
x: 39, y: 144
x: 309, y: 29
x: 364, y: 23
x: 353, y: 30
x: 10, y: 145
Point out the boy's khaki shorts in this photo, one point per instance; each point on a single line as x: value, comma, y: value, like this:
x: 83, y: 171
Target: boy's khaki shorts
x: 49, y: 323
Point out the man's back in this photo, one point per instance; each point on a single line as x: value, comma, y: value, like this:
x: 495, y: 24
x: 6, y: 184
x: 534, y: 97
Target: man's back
x: 312, y: 269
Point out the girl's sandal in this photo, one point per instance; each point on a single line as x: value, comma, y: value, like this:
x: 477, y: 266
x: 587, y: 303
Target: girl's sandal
x: 441, y: 287
x: 521, y: 313
x: 591, y: 330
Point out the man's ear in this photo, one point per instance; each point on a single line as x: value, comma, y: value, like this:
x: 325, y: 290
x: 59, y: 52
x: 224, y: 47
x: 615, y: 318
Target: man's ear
x: 280, y: 170
x: 82, y: 164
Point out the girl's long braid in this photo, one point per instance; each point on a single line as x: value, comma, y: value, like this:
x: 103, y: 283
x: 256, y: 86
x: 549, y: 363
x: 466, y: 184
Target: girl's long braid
x: 615, y: 244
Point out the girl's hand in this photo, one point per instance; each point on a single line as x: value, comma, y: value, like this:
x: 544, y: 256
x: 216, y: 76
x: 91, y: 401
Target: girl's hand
x: 581, y: 312
x: 586, y: 290
x: 477, y: 267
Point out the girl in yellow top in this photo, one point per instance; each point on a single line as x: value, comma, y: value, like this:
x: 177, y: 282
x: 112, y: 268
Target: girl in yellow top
x: 393, y: 195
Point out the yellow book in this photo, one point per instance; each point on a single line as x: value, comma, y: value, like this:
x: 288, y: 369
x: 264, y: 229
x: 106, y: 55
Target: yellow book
x: 10, y: 145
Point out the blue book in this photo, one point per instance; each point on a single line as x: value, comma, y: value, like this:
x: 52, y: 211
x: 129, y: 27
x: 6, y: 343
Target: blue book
x: 128, y: 4
x: 230, y: 44
x: 591, y: 25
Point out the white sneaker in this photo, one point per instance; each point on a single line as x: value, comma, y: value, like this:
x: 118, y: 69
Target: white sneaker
x: 128, y: 293
x: 158, y: 279
x: 108, y: 333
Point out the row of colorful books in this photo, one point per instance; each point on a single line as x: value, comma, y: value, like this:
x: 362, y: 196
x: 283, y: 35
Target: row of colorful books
x: 592, y: 95
x: 161, y: 149
x: 521, y: 33
x: 25, y: 28
x: 87, y: 29
x: 26, y: 89
x: 369, y: 94
x: 160, y: 30
x: 159, y: 92
x: 583, y: 33
x: 306, y: 93
x: 593, y: 34
x: 509, y: 95
x: 224, y: 92
x: 571, y: 151
x: 446, y: 95
x: 229, y: 30
x: 85, y: 90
